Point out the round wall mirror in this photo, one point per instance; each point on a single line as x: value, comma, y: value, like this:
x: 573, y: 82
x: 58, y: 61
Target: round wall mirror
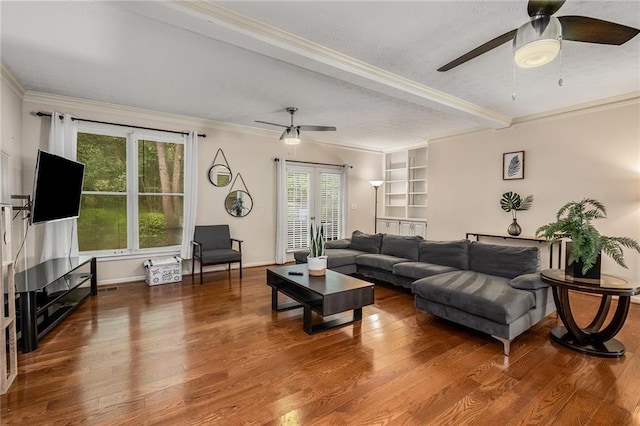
x: 220, y: 175
x: 238, y: 203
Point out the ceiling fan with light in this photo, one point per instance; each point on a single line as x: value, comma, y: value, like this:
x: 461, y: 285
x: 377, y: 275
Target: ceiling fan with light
x: 538, y: 41
x: 291, y: 134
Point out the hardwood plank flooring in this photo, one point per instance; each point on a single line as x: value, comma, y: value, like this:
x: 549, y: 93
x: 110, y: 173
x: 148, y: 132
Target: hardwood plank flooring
x: 190, y: 354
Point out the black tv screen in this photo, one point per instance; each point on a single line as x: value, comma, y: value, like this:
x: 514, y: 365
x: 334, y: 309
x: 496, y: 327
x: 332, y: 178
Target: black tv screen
x: 57, y: 188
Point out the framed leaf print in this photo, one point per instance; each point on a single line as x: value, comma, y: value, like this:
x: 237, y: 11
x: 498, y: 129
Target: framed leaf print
x: 513, y: 165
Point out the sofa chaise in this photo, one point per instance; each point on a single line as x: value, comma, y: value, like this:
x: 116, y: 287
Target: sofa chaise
x: 490, y: 288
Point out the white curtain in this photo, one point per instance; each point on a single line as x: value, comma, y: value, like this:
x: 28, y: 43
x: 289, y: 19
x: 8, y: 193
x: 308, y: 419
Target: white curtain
x: 345, y: 200
x: 281, y: 212
x: 190, y: 193
x: 61, y: 238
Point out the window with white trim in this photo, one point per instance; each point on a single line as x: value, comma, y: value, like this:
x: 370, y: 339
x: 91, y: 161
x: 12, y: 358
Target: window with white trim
x: 133, y: 191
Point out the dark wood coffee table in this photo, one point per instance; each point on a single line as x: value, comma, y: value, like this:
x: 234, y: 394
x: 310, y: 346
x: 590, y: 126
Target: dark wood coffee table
x: 328, y: 295
x: 595, y: 338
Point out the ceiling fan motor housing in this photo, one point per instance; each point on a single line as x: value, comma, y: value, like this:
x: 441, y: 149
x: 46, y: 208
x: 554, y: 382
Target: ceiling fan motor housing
x: 537, y: 42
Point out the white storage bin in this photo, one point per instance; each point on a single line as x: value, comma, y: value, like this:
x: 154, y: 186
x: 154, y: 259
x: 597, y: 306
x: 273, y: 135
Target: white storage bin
x: 163, y: 271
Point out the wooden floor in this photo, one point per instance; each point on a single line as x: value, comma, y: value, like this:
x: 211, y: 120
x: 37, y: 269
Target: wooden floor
x: 183, y: 354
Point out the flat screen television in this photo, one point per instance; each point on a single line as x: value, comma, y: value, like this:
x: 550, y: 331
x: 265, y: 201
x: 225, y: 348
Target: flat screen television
x: 57, y: 188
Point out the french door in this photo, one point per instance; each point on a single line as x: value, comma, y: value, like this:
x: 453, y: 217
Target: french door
x: 315, y: 195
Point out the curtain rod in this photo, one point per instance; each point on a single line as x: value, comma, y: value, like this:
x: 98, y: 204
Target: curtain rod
x: 317, y: 164
x: 47, y: 114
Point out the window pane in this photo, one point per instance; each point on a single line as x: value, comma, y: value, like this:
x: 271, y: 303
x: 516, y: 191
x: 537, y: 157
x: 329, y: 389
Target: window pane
x: 103, y: 222
x: 160, y: 219
x: 105, y: 158
x: 160, y: 167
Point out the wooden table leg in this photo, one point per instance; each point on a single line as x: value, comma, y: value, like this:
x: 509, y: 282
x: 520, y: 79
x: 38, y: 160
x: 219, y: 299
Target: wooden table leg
x: 590, y: 339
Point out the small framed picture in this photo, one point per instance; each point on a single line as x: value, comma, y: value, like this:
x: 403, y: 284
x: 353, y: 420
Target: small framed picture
x: 513, y: 165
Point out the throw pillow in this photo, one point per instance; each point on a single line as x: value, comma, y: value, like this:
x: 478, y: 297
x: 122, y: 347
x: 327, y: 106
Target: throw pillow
x: 528, y: 282
x: 366, y: 242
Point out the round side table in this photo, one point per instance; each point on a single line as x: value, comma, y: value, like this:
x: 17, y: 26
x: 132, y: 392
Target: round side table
x: 595, y: 338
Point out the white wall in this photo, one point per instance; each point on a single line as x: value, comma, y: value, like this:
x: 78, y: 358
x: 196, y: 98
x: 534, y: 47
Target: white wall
x: 594, y: 154
x: 11, y: 125
x: 249, y: 152
x: 11, y: 143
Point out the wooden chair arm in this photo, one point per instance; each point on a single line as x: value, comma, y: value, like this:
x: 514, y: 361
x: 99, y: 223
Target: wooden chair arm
x: 239, y: 243
x: 197, y: 245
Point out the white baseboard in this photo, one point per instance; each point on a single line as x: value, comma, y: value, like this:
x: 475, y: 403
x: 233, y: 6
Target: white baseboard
x: 186, y: 270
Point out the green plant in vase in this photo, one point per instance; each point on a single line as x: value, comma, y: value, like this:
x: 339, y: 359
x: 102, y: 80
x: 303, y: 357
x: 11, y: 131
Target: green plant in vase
x: 317, y: 260
x: 513, y: 202
x: 317, y: 241
x: 573, y: 221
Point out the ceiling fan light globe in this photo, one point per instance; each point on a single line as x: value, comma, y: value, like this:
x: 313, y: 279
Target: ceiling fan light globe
x: 291, y: 140
x: 291, y: 136
x: 537, y: 42
x: 537, y: 53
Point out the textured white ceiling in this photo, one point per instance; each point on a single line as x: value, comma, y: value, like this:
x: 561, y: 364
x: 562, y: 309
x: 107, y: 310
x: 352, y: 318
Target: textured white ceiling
x: 170, y: 57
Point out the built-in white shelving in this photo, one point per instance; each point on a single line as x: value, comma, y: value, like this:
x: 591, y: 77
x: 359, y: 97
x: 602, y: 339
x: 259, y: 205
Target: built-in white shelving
x: 8, y: 354
x: 405, y: 193
x: 405, y: 184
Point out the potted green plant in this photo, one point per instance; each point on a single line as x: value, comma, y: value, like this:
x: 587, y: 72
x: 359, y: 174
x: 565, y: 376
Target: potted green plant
x: 317, y: 260
x: 513, y: 202
x: 573, y: 221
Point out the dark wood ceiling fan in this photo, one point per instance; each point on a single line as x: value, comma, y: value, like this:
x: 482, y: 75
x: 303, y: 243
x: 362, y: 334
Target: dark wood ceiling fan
x: 574, y: 28
x: 291, y: 134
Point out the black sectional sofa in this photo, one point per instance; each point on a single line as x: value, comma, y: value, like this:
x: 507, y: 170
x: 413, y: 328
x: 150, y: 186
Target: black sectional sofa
x: 494, y: 289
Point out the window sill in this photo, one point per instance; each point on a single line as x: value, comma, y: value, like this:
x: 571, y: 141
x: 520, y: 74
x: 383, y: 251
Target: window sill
x: 108, y: 257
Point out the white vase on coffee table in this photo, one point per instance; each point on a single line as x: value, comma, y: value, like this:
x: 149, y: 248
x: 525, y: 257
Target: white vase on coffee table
x: 317, y: 265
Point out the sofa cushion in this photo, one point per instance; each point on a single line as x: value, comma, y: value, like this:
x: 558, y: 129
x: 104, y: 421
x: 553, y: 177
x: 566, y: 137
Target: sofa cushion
x: 341, y: 257
x: 338, y: 244
x: 369, y: 243
x: 503, y: 261
x: 486, y: 296
x: 335, y: 257
x: 447, y: 253
x: 417, y: 270
x: 301, y: 255
x: 401, y: 246
x: 379, y: 261
x: 528, y: 282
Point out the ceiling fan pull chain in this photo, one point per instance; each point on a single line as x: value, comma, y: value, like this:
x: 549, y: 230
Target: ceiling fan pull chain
x: 560, y: 80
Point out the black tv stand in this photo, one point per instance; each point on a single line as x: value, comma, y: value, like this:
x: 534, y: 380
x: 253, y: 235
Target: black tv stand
x: 49, y: 292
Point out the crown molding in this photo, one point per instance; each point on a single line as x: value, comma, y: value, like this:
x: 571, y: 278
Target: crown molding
x: 584, y: 108
x: 140, y: 113
x: 406, y: 147
x: 453, y: 134
x: 239, y: 30
x: 572, y: 111
x: 352, y: 147
x: 181, y: 122
x: 11, y: 81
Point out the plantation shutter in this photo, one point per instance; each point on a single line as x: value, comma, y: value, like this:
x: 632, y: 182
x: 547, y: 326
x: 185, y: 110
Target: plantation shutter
x: 331, y: 210
x: 298, y: 208
x: 314, y: 195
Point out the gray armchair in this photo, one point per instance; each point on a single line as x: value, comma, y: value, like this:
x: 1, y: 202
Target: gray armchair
x: 212, y: 245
